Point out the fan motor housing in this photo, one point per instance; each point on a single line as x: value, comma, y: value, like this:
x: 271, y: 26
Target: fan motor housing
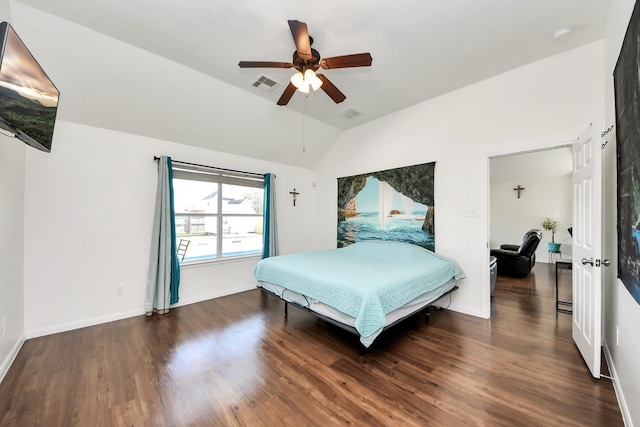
x: 302, y: 64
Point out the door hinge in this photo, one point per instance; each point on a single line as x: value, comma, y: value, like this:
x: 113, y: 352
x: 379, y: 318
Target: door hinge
x: 597, y: 263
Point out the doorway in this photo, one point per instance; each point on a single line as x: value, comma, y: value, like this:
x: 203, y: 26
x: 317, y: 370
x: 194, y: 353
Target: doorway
x: 525, y: 188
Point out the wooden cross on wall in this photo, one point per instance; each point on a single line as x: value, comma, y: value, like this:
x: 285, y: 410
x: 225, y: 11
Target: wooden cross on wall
x: 294, y: 193
x: 518, y: 189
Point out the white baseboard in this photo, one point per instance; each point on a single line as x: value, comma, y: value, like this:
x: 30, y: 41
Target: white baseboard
x: 624, y: 409
x: 70, y: 326
x: 11, y: 357
x: 215, y: 295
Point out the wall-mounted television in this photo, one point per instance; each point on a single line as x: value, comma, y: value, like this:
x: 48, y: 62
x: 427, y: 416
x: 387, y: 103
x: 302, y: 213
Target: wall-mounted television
x: 28, y: 98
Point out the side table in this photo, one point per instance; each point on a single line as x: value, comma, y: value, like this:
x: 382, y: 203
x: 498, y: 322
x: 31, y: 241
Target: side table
x: 563, y: 264
x: 552, y: 255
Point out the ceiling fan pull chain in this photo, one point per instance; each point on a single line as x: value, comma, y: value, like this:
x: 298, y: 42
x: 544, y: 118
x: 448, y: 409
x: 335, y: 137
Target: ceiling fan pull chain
x: 304, y: 102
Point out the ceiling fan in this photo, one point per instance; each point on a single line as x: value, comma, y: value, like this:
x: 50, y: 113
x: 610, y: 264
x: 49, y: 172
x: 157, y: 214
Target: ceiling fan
x: 307, y: 60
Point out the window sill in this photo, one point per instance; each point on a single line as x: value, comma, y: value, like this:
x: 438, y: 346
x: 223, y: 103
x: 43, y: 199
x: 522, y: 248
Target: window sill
x: 210, y: 262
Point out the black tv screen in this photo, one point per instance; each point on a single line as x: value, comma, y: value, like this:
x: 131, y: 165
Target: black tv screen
x: 28, y: 98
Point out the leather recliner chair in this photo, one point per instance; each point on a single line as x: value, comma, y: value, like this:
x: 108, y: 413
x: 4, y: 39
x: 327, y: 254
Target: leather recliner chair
x: 518, y: 260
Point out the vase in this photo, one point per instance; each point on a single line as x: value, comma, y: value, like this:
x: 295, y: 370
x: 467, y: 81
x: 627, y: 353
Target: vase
x: 554, y: 247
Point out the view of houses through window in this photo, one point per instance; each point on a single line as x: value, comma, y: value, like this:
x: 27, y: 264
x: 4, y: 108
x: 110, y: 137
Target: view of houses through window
x: 219, y: 215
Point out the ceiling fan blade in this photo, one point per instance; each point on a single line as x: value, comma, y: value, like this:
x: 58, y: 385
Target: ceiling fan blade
x: 287, y: 94
x: 264, y: 64
x: 301, y: 38
x: 346, y: 61
x: 331, y: 90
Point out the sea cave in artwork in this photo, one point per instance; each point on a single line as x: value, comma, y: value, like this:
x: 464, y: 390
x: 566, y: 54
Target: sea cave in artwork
x: 395, y: 204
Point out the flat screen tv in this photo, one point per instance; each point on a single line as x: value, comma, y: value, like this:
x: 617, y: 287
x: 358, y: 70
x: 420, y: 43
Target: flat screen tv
x: 28, y: 99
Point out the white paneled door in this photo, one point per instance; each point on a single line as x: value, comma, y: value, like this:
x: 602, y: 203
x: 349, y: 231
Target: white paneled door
x: 587, y: 291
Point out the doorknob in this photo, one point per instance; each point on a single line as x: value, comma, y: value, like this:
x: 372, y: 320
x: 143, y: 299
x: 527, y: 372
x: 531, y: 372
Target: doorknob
x: 606, y: 262
x: 587, y: 261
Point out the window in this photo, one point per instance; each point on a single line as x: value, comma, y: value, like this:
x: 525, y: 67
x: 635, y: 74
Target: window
x: 219, y: 212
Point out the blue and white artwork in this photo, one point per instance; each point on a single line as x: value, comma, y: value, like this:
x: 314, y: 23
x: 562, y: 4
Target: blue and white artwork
x: 395, y: 204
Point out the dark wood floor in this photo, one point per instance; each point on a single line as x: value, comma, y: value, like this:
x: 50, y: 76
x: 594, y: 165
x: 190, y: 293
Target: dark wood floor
x: 237, y: 361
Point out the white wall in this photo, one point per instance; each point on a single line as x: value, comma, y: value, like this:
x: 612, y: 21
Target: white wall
x: 108, y: 84
x: 12, y: 170
x: 545, y: 103
x: 622, y: 312
x: 546, y: 177
x: 88, y: 203
x: 5, y: 12
x: 88, y: 212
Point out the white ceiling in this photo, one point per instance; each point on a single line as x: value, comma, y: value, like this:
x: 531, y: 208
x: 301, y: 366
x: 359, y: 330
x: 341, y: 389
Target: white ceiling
x: 420, y: 48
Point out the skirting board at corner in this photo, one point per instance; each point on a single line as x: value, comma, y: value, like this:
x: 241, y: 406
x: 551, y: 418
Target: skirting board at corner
x: 11, y: 357
x: 624, y: 409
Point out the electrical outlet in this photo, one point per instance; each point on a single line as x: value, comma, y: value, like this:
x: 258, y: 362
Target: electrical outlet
x: 119, y: 289
x: 4, y: 326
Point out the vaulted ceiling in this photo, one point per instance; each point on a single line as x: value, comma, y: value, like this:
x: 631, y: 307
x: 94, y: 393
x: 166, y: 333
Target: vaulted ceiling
x: 421, y: 49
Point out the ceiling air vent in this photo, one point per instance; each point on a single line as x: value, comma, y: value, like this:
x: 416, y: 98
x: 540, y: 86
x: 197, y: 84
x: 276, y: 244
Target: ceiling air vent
x: 350, y: 112
x: 266, y: 84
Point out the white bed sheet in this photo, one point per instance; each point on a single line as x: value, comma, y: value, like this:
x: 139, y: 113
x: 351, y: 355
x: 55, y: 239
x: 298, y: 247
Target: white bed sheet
x: 411, y: 307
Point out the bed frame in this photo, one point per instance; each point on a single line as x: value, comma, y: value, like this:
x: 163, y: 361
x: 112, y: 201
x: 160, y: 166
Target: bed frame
x: 349, y: 328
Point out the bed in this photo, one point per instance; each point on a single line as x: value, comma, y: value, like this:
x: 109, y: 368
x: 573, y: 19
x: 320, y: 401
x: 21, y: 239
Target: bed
x: 365, y: 287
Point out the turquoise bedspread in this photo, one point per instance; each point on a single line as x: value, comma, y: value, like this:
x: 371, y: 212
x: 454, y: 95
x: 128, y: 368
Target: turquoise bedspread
x: 365, y: 280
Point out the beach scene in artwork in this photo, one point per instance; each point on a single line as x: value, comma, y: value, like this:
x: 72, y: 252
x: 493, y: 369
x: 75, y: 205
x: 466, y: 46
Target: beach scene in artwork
x: 379, y: 212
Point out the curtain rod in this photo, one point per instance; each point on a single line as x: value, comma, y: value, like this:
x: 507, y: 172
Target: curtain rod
x: 156, y: 158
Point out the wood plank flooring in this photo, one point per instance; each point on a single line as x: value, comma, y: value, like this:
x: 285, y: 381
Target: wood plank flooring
x: 237, y: 361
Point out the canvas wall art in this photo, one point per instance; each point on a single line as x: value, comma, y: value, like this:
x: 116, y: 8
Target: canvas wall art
x: 627, y: 95
x: 394, y: 204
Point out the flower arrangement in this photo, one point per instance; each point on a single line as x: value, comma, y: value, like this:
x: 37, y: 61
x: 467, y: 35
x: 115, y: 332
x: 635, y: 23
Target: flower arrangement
x: 550, y: 225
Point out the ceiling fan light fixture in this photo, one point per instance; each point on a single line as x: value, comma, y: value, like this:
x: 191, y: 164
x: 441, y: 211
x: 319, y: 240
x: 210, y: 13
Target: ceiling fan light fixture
x: 313, y: 80
x: 304, y: 88
x: 297, y: 79
x: 316, y: 84
x: 299, y: 82
x: 307, y: 81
